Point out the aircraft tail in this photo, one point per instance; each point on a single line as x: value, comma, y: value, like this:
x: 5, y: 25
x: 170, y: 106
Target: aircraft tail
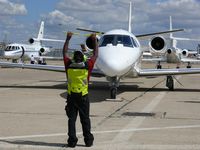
x: 173, y: 41
x: 170, y: 26
x: 41, y: 31
x: 41, y: 38
x: 129, y: 18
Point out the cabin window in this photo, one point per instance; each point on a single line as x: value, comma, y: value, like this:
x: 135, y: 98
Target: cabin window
x: 13, y: 47
x: 125, y: 40
x: 7, y: 48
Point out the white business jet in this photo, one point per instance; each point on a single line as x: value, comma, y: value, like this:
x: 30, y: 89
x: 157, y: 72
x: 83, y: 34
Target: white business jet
x: 119, y: 56
x: 168, y: 51
x: 35, y: 49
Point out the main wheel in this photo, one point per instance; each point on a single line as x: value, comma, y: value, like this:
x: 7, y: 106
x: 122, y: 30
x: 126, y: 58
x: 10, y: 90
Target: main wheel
x: 170, y: 83
x: 113, y: 93
x: 159, y: 66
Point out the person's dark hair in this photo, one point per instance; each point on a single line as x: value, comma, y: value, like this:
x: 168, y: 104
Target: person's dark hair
x: 78, y: 56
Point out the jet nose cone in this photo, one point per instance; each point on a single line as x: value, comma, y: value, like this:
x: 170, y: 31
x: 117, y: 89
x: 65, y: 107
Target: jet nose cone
x: 7, y: 54
x: 113, y: 67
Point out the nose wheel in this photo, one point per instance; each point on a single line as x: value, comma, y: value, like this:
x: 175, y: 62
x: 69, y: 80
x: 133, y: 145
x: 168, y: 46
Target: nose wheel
x: 113, y: 92
x: 114, y: 84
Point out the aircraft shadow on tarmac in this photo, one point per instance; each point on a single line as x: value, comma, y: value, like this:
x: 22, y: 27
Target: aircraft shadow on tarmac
x: 100, y: 90
x: 38, y: 143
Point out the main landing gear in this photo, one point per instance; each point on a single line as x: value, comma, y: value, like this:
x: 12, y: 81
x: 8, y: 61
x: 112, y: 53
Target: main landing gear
x: 159, y: 66
x: 114, y: 84
x: 189, y: 65
x: 170, y: 83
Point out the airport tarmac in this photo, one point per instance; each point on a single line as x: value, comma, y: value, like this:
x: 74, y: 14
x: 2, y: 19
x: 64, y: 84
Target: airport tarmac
x: 146, y: 115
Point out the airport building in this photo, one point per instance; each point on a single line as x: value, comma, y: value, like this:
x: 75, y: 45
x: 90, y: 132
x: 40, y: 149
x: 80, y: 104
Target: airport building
x: 2, y: 47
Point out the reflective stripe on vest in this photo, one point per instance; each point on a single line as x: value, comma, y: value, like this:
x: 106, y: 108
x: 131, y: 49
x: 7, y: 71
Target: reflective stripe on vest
x: 77, y: 75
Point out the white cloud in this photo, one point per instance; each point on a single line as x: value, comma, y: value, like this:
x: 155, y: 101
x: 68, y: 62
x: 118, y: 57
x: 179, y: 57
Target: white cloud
x: 148, y: 16
x: 103, y: 15
x: 9, y: 8
x: 57, y: 17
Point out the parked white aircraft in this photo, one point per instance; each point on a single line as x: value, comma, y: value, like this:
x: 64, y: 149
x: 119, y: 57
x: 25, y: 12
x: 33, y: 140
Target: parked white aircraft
x: 168, y: 51
x: 119, y: 56
x: 17, y: 51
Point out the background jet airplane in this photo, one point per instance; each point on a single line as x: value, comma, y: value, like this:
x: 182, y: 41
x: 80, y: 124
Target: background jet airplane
x: 168, y: 51
x: 17, y: 51
x: 119, y: 56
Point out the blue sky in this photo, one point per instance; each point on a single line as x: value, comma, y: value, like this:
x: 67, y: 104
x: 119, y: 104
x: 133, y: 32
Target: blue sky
x: 36, y: 8
x: 20, y: 19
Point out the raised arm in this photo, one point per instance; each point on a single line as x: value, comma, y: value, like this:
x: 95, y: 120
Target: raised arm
x: 96, y: 48
x: 65, y: 49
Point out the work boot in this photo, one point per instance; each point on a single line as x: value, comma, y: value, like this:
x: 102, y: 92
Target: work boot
x: 89, y: 143
x: 72, y: 142
x: 72, y: 145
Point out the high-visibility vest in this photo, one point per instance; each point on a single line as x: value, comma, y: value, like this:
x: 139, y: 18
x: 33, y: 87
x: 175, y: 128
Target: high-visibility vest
x: 77, y: 77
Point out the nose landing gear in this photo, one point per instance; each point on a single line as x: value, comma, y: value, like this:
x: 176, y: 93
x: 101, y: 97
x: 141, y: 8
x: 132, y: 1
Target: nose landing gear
x: 113, y: 92
x: 114, y: 84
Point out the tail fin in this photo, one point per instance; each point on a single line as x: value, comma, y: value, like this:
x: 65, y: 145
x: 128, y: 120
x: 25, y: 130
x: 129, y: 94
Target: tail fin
x: 129, y: 18
x: 170, y: 26
x: 172, y: 39
x: 41, y: 31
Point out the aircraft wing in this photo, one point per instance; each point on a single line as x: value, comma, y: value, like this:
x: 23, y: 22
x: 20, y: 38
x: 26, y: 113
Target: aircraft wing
x: 186, y: 60
x: 164, y: 72
x: 141, y: 36
x: 146, y: 36
x: 33, y: 66
x: 185, y: 39
x: 146, y: 58
x: 55, y: 68
x: 161, y: 59
x: 50, y: 58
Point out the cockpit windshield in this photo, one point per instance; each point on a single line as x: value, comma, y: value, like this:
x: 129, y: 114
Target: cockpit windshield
x: 11, y: 48
x: 125, y: 40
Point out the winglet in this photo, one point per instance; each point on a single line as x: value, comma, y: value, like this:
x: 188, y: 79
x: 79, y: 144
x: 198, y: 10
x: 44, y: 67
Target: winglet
x: 129, y: 18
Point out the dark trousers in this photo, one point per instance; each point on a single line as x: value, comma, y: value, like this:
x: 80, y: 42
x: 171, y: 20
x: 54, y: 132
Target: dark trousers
x: 76, y: 103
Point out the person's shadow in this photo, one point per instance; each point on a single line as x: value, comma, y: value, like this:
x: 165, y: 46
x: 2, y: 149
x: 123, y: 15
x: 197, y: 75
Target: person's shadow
x: 37, y: 143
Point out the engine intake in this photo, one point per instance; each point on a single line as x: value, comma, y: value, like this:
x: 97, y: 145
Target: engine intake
x: 158, y: 44
x: 185, y: 52
x: 169, y: 51
x: 89, y: 42
x: 42, y: 50
x: 31, y: 40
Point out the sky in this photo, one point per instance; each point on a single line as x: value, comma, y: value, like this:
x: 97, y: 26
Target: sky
x: 20, y: 19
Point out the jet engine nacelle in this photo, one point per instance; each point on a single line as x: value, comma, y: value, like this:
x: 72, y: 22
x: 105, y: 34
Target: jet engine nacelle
x: 158, y: 45
x: 185, y: 53
x: 42, y: 50
x: 89, y: 42
x: 32, y: 40
x: 169, y: 51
